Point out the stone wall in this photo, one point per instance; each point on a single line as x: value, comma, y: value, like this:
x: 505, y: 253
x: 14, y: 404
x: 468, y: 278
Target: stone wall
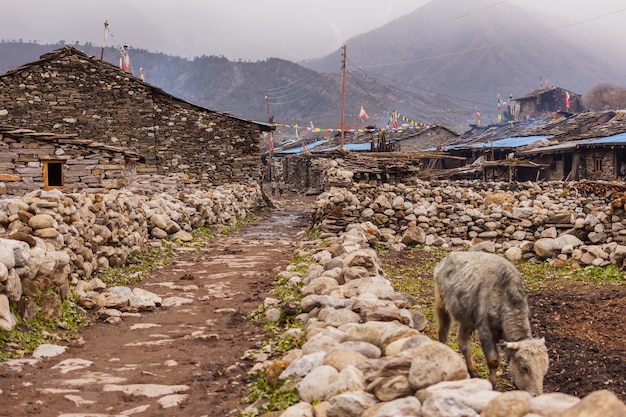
x: 364, y: 353
x: 588, y: 163
x: 532, y: 220
x: 51, y: 242
x: 69, y: 92
x: 86, y: 167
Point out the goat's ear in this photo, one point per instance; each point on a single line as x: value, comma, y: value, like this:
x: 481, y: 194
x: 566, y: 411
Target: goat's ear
x: 510, y: 345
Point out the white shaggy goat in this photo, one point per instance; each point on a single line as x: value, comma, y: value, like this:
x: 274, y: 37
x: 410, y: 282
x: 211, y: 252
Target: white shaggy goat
x: 484, y: 292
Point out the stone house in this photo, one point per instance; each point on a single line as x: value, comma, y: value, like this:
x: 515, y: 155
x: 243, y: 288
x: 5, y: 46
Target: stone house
x: 544, y: 102
x: 435, y: 137
x: 67, y: 92
x: 32, y: 160
x: 593, y: 148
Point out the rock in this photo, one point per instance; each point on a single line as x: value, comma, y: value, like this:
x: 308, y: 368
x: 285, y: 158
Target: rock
x: 350, y: 404
x: 338, y: 317
x: 552, y: 404
x: 7, y: 318
x: 442, y: 406
x: 390, y: 388
x: 300, y: 367
x: 350, y: 379
x: 513, y: 254
x: 301, y: 409
x: 339, y: 359
x: 601, y: 403
x: 8, y: 255
x: 48, y: 351
x: 414, y: 235
x: 42, y: 221
x: 508, y: 404
x: 318, y: 384
x: 402, y: 407
x: 435, y: 362
x: 364, y: 348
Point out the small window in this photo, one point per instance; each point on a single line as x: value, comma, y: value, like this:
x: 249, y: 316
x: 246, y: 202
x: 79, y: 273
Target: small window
x: 597, y: 165
x: 53, y: 174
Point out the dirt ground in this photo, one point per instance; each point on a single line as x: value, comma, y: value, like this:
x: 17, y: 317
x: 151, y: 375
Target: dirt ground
x: 198, y: 339
x: 192, y: 347
x: 583, y: 327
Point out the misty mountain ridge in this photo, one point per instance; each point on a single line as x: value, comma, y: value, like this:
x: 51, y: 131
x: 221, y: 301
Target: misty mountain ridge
x: 434, y: 65
x: 473, y: 52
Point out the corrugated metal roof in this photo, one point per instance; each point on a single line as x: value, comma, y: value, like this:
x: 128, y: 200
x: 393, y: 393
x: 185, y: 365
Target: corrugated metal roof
x: 298, y: 149
x: 550, y: 149
x: 619, y: 139
x: 357, y: 147
x: 510, y: 142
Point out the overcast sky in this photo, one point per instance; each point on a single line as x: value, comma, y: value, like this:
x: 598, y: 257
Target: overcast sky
x: 246, y: 29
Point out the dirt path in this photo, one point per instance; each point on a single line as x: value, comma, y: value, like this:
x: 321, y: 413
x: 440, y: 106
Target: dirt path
x: 183, y: 359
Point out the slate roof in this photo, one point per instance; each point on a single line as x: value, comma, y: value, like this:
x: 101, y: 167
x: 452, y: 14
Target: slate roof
x: 69, y: 139
x: 70, y: 50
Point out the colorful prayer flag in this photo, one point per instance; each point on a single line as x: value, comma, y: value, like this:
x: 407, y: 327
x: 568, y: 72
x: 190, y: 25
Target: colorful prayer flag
x: 362, y: 114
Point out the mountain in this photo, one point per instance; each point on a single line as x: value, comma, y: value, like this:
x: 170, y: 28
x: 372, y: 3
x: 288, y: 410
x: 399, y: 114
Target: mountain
x: 295, y: 94
x: 471, y: 51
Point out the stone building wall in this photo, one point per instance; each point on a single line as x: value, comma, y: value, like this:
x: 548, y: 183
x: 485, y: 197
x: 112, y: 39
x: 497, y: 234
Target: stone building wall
x: 67, y: 91
x: 86, y: 167
x: 588, y: 162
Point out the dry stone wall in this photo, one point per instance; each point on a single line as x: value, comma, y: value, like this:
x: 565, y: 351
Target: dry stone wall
x: 53, y: 242
x: 542, y: 221
x: 364, y: 354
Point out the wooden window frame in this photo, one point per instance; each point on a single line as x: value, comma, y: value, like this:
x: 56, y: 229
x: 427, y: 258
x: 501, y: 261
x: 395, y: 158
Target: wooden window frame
x: 597, y: 164
x: 46, y: 175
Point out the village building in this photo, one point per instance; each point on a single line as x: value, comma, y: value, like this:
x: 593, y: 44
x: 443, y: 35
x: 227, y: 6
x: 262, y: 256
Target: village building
x: 544, y: 102
x: 66, y: 92
x: 32, y: 160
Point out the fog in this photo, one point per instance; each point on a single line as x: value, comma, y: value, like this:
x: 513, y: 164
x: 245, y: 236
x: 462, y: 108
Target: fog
x: 256, y: 30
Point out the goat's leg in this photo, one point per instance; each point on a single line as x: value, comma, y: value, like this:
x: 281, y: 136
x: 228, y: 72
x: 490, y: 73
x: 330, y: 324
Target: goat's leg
x: 490, y: 350
x: 465, y: 345
x: 443, y: 317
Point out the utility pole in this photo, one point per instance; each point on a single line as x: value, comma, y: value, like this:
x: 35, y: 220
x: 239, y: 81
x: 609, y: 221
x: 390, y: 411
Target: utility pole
x: 343, y: 97
x: 104, y: 39
x: 270, y: 145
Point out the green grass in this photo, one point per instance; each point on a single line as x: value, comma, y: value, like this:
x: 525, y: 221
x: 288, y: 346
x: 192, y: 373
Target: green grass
x: 26, y: 336
x: 138, y: 266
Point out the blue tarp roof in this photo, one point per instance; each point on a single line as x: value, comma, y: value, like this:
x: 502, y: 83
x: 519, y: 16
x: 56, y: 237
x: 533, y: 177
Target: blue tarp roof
x: 299, y: 149
x: 512, y: 142
x: 352, y: 147
x: 615, y: 139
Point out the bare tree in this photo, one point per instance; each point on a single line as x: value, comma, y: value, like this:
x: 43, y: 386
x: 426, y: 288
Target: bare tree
x: 605, y: 96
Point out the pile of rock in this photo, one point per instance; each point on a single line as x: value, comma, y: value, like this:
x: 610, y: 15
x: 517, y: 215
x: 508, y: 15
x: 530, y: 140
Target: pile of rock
x: 530, y: 220
x: 364, y: 355
x: 52, y: 242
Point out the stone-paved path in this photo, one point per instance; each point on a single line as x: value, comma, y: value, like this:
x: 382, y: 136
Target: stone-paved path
x: 183, y: 359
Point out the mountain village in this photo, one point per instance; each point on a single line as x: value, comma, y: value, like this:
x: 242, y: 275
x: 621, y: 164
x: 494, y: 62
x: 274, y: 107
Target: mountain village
x: 96, y: 163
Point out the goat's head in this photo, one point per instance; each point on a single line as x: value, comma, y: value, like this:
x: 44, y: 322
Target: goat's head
x: 528, y: 363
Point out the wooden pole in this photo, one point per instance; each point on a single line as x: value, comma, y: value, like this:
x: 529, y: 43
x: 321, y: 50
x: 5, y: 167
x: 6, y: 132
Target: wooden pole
x: 343, y: 97
x: 104, y: 39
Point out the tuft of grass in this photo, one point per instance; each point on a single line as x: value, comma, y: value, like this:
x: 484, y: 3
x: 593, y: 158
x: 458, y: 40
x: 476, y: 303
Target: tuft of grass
x: 313, y: 233
x: 26, y: 336
x: 278, y: 396
x: 138, y: 266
